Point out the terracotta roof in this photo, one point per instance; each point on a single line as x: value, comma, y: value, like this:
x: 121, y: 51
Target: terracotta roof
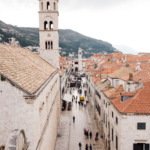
x: 124, y: 71
x: 135, y: 58
x: 140, y: 103
x: 128, y: 93
x: 114, y: 92
x: 103, y: 85
x: 144, y: 74
x: 24, y: 68
x: 96, y: 79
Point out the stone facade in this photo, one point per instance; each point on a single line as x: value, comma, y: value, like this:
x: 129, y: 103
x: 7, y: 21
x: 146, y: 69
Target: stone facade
x: 38, y: 116
x: 48, y: 31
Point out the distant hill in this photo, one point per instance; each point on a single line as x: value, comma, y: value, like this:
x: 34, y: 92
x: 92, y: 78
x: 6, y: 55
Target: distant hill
x: 125, y: 49
x: 69, y: 40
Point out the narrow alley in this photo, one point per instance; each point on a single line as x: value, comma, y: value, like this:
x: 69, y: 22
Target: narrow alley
x: 71, y: 134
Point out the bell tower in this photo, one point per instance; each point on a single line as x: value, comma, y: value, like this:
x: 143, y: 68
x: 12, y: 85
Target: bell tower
x: 48, y: 31
x: 80, y: 59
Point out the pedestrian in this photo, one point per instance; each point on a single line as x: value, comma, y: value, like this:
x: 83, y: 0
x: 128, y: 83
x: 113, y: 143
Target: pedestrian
x: 90, y: 134
x: 87, y: 134
x: 86, y: 147
x: 73, y: 119
x: 90, y: 147
x: 84, y: 131
x: 97, y: 136
x: 95, y: 139
x: 80, y: 146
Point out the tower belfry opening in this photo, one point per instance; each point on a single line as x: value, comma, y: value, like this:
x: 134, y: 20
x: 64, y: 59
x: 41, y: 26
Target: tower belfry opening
x: 45, y: 25
x: 51, y: 25
x: 48, y: 6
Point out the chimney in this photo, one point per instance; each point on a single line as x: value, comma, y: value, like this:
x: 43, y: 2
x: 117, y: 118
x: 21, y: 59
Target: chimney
x: 130, y: 76
x: 140, y: 81
x: 138, y: 68
x: 127, y: 65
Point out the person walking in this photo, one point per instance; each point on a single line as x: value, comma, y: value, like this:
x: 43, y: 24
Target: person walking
x: 80, y: 146
x: 97, y: 136
x: 73, y: 119
x: 86, y: 147
x: 90, y: 134
x: 84, y: 131
x: 90, y: 147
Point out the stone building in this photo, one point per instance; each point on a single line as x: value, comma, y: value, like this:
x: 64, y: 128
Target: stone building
x: 30, y: 88
x: 79, y: 64
x: 30, y: 100
x: 80, y: 59
x: 121, y: 107
x: 48, y: 31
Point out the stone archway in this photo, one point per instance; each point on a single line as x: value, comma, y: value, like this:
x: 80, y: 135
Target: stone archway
x: 17, y: 140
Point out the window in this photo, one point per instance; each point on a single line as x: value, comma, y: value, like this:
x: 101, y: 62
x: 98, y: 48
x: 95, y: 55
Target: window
x: 104, y: 118
x: 48, y: 6
x: 98, y: 94
x: 51, y: 25
x: 112, y: 135
x: 51, y: 45
x: 45, y: 25
x: 140, y: 146
x: 116, y: 142
x: 141, y: 126
x: 106, y: 121
x: 76, y: 63
x: 54, y: 6
x: 116, y: 120
x: 104, y: 102
x: 117, y: 82
x: 48, y: 45
x: 45, y: 45
x: 112, y: 114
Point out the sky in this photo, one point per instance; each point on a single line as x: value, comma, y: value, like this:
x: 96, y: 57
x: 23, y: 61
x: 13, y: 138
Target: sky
x: 119, y: 22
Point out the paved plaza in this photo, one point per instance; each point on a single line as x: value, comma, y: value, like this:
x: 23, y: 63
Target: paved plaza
x: 70, y: 134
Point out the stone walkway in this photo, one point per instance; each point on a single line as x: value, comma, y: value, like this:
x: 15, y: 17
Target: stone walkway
x: 70, y: 134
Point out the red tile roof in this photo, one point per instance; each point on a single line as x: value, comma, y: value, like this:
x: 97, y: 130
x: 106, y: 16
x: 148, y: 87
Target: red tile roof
x: 140, y: 103
x: 114, y: 92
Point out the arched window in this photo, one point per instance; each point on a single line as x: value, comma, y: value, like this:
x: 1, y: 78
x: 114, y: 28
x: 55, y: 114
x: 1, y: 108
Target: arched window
x: 45, y: 45
x: 41, y: 5
x: 45, y: 25
x: 54, y: 6
x: 48, y: 6
x: 51, y: 45
x: 51, y: 25
x: 48, y: 44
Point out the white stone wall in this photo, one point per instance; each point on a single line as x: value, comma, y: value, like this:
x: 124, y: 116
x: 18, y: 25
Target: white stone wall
x: 131, y: 134
x: 15, y: 113
x: 39, y: 119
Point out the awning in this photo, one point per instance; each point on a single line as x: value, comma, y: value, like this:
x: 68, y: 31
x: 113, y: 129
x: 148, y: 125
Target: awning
x: 67, y: 98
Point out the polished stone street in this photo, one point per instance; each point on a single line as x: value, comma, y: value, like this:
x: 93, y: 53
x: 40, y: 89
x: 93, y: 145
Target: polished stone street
x: 70, y: 134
